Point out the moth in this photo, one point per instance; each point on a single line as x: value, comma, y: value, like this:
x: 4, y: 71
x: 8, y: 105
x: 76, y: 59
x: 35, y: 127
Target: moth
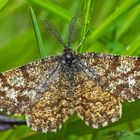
x: 92, y: 85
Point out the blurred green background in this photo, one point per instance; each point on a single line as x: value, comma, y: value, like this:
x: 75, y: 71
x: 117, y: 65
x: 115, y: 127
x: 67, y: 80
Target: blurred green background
x: 115, y: 29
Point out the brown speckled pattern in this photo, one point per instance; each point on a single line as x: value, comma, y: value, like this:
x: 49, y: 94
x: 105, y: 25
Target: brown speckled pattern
x: 48, y: 91
x: 95, y: 106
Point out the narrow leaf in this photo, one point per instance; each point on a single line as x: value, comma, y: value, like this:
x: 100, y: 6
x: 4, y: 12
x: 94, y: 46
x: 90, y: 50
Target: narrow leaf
x: 37, y: 33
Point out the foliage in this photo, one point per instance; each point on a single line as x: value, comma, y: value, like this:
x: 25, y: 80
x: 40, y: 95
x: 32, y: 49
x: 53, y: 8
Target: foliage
x: 114, y: 28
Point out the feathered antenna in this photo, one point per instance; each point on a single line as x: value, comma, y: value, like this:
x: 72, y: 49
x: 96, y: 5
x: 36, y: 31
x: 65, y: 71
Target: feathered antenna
x: 54, y: 32
x: 71, y: 27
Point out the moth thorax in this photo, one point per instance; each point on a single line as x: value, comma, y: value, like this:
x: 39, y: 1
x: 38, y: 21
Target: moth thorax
x: 69, y: 59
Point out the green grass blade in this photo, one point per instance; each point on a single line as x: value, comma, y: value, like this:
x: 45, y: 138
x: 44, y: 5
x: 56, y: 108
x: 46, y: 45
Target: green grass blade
x: 134, y: 47
x: 127, y: 5
x: 87, y: 8
x: 37, y: 33
x: 86, y: 18
x: 12, y: 8
x: 127, y: 24
x: 50, y: 6
x: 3, y: 3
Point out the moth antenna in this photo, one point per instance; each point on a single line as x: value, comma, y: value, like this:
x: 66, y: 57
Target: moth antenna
x: 54, y: 32
x: 71, y: 27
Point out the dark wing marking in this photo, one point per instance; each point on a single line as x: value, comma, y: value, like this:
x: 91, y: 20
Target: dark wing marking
x: 118, y: 75
x: 20, y: 87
